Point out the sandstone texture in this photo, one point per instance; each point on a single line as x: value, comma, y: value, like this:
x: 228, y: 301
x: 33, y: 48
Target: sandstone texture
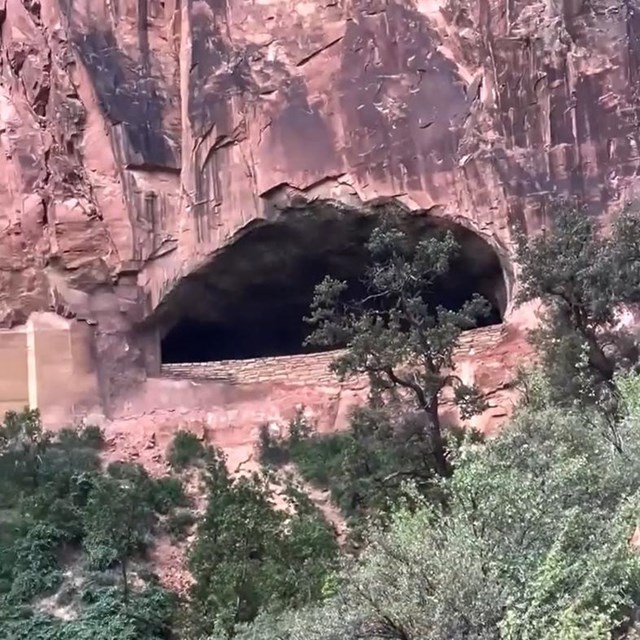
x: 140, y: 139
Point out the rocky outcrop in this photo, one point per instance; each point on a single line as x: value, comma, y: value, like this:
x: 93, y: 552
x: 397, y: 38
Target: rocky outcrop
x: 140, y: 138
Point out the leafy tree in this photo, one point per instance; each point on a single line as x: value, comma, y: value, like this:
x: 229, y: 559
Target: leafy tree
x: 119, y: 518
x: 365, y: 467
x: 395, y: 334
x: 43, y: 488
x: 583, y: 276
x: 52, y: 490
x: 21, y: 442
x: 250, y: 557
x: 533, y: 544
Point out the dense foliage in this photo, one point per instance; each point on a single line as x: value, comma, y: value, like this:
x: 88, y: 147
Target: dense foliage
x: 533, y: 538
x: 249, y: 557
x: 68, y: 532
x: 533, y: 544
x: 73, y: 538
x: 583, y: 276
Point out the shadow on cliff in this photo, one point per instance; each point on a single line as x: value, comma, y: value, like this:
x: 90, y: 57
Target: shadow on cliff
x: 130, y: 96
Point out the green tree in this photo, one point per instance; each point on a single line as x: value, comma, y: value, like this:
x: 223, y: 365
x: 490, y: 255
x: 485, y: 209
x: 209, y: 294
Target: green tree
x: 44, y: 482
x: 249, y: 557
x: 395, y: 334
x: 52, y: 488
x: 119, y: 518
x: 366, y: 466
x: 583, y: 276
x: 533, y: 545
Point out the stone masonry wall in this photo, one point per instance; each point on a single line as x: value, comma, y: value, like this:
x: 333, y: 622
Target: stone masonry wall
x: 302, y: 369
x: 306, y: 369
x: 47, y: 364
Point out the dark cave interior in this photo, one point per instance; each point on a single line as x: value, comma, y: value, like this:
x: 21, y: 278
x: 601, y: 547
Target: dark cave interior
x: 250, y: 300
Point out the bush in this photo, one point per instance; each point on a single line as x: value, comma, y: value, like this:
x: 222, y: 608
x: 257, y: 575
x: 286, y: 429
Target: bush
x: 179, y: 523
x: 249, y: 557
x: 89, y: 437
x: 533, y: 538
x: 168, y: 494
x: 185, y: 449
x: 272, y: 451
x: 149, y: 615
x: 35, y: 563
x: 57, y: 504
x: 321, y: 458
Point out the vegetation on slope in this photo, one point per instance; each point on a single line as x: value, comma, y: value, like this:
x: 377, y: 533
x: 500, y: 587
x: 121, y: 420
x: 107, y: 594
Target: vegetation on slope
x: 249, y: 556
x: 533, y: 543
x: 74, y: 537
x: 529, y: 536
x: 70, y: 528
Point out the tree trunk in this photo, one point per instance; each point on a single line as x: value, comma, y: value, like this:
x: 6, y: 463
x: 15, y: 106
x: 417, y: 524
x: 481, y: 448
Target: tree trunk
x: 599, y: 360
x: 434, y: 429
x: 125, y: 581
x: 597, y: 357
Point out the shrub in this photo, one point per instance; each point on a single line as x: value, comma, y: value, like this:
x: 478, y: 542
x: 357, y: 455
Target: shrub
x: 249, y: 557
x: 365, y: 467
x: 180, y: 522
x: 271, y: 450
x: 56, y: 502
x: 35, y: 563
x: 185, y: 449
x: 531, y: 544
x: 168, y: 494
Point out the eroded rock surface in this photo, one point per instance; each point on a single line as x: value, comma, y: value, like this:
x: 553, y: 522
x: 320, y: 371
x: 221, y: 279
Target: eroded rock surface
x: 140, y: 138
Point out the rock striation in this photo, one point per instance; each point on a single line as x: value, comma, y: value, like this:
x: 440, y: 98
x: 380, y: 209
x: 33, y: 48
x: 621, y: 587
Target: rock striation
x: 139, y: 139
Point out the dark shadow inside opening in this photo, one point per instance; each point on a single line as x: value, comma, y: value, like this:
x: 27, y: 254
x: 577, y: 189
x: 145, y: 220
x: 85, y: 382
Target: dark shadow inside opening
x: 250, y: 301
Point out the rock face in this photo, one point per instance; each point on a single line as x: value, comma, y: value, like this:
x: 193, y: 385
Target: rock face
x: 141, y: 138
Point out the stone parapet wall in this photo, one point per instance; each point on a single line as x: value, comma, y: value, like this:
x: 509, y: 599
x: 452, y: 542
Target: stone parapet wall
x: 14, y: 372
x: 482, y: 340
x: 300, y: 369
x: 308, y: 368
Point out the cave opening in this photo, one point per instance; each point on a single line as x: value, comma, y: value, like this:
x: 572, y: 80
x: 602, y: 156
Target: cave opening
x: 250, y: 301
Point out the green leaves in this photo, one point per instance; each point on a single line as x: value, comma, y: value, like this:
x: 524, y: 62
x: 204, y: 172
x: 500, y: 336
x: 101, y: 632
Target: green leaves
x: 118, y: 520
x: 60, y: 516
x: 184, y: 450
x: 583, y: 275
x: 395, y: 333
x: 104, y: 617
x: 533, y: 543
x: 250, y: 557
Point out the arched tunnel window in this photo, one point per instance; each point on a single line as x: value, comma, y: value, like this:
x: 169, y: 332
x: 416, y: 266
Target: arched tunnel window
x: 250, y: 301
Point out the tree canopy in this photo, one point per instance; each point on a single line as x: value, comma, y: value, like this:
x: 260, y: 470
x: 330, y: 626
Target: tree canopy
x: 395, y: 333
x: 533, y: 544
x: 584, y: 274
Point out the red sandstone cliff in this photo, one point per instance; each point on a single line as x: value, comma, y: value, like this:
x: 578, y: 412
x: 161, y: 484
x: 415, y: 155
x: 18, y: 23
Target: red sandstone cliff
x: 139, y: 138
